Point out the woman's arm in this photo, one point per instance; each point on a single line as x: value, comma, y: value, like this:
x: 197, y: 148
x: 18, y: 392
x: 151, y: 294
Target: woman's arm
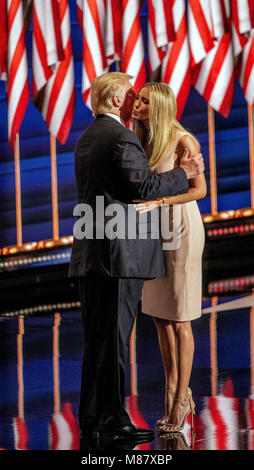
x: 197, y: 185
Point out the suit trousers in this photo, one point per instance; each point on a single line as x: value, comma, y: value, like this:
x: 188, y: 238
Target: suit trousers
x: 109, y: 307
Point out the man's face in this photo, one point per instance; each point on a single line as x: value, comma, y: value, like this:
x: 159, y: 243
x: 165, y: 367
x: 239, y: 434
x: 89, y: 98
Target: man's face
x: 128, y: 101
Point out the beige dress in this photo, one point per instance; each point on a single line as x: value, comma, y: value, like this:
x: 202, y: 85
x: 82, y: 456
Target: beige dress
x: 177, y: 295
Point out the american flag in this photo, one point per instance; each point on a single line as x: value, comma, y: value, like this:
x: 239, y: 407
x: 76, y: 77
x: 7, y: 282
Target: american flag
x: 160, y: 31
x: 91, y: 15
x: 80, y: 13
x: 239, y: 39
x: 133, y: 54
x: 20, y: 433
x: 113, y: 41
x: 199, y: 29
x: 176, y: 71
x: 246, y: 61
x: 18, y: 87
x: 63, y: 432
x: 246, y: 15
x: 47, y: 41
x: 214, y: 76
x: 246, y: 77
x: 217, y: 424
x: 3, y: 40
x: 57, y: 101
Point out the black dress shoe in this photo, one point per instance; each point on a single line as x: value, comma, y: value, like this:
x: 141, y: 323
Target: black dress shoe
x: 131, y: 432
x: 121, y: 436
x: 114, y: 437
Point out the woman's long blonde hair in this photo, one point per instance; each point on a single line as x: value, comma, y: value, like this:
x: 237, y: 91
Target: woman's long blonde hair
x: 163, y: 125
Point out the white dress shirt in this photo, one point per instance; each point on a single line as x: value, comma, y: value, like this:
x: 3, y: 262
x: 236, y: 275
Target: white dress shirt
x: 117, y: 118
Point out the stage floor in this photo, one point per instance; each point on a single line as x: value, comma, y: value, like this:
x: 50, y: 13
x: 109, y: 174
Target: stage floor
x: 40, y: 368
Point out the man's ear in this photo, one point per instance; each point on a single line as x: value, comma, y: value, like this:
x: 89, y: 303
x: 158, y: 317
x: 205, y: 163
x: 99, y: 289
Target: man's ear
x: 117, y: 102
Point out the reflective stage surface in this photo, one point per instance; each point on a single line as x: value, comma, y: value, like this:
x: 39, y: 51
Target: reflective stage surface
x: 40, y: 368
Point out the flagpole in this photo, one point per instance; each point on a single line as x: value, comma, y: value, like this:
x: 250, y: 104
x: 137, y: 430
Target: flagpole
x: 20, y: 432
x: 20, y: 367
x: 56, y: 376
x: 18, y: 191
x: 54, y: 189
x: 212, y: 160
x: 213, y: 348
x: 251, y: 151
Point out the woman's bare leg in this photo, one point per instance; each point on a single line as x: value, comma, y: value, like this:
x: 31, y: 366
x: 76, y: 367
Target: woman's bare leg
x: 185, y: 352
x: 167, y: 345
x: 185, y: 348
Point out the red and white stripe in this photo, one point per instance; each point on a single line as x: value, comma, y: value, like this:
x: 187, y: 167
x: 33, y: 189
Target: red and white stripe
x: 200, y: 30
x: 217, y: 424
x: 246, y: 15
x: 3, y: 40
x: 80, y: 13
x: 18, y: 87
x: 133, y: 55
x: 213, y: 78
x: 59, y: 93
x: 160, y: 31
x: 113, y: 40
x: 93, y: 14
x: 244, y: 19
x: 63, y: 433
x: 176, y: 70
x: 238, y: 39
x: 20, y: 434
x: 220, y: 13
x: 246, y: 77
x: 47, y: 41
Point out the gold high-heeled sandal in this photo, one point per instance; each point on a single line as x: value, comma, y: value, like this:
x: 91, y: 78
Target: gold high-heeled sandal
x: 170, y: 427
x: 163, y: 421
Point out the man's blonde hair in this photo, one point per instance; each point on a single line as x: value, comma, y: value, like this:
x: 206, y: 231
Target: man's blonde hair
x: 104, y: 88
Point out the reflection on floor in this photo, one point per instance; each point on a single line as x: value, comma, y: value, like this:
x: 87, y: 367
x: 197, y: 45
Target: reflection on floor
x: 40, y: 367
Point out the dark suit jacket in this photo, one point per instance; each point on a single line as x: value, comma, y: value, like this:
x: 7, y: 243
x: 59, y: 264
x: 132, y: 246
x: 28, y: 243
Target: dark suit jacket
x: 110, y: 162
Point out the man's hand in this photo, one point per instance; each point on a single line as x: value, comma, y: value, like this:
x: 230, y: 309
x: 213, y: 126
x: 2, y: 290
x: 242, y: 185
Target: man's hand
x: 192, y: 166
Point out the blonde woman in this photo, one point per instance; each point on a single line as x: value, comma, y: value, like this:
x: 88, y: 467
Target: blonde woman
x: 173, y: 300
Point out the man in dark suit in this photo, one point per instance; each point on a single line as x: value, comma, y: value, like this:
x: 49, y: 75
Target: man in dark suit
x: 111, y: 167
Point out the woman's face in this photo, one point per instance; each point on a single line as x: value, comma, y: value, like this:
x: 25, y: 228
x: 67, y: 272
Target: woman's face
x: 141, y: 106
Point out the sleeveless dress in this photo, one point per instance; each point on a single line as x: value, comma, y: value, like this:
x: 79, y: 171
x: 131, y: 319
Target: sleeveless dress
x: 177, y: 295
